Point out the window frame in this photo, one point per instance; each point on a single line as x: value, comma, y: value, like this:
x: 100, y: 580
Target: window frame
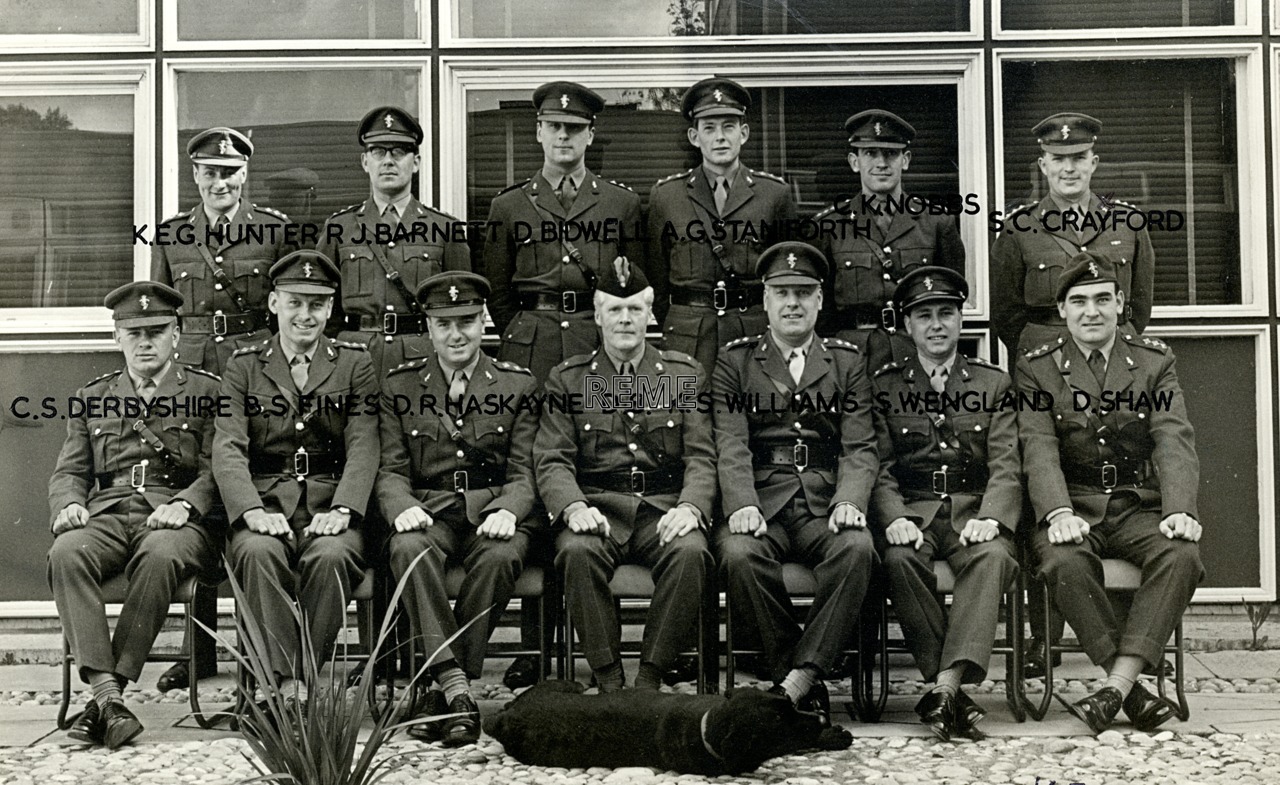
x: 132, y: 78
x: 172, y: 43
x: 97, y: 43
x: 1248, y: 22
x: 1250, y: 142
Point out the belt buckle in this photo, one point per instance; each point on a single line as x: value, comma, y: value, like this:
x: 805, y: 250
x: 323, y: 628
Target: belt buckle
x: 569, y: 301
x: 138, y: 475
x: 301, y: 463
x: 940, y: 482
x: 800, y: 456
x: 1109, y: 475
x: 219, y: 323
x: 637, y: 480
x: 720, y: 298
x: 461, y: 482
x: 390, y: 323
x: 889, y: 319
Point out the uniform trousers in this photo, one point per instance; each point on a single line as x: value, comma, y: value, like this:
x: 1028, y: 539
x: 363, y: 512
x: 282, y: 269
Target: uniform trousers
x: 155, y: 562
x: 492, y: 567
x: 586, y: 563
x: 751, y: 571
x: 1171, y: 569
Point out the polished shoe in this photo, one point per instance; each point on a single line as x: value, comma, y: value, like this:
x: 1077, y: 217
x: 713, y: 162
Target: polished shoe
x: 433, y: 705
x: 88, y: 726
x: 818, y: 701
x: 1150, y: 670
x: 1147, y: 711
x: 1033, y: 659
x: 119, y: 726
x: 937, y: 710
x: 179, y: 678
x: 1098, y: 710
x: 968, y: 715
x: 522, y: 672
x: 684, y: 669
x: 464, y: 728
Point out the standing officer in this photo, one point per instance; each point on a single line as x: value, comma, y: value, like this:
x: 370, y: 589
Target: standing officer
x: 127, y: 495
x: 1111, y: 482
x: 543, y: 297
x: 387, y: 245
x: 950, y: 488
x: 904, y: 235
x: 295, y: 461
x: 710, y: 284
x: 631, y: 477
x: 797, y: 464
x: 457, y: 483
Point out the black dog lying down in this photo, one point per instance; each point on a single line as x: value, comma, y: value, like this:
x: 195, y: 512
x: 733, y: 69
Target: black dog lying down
x: 553, y: 724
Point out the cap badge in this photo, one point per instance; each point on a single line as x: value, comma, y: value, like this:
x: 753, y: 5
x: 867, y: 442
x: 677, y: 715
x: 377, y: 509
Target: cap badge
x: 622, y: 268
x: 387, y: 120
x: 928, y: 282
x: 144, y: 301
x: 564, y: 101
x: 791, y: 261
x: 878, y: 128
x: 718, y: 95
x: 225, y: 146
x: 453, y: 293
x: 1093, y: 268
x: 306, y: 269
x: 1066, y: 131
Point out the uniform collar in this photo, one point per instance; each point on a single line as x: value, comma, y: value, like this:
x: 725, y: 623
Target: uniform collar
x: 1105, y: 348
x: 730, y: 176
x: 158, y: 378
x: 785, y: 349
x: 213, y: 217
x: 553, y: 178
x: 401, y: 204
x: 469, y: 370
x: 928, y: 365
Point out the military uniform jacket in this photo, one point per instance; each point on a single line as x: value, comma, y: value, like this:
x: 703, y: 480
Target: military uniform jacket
x: 244, y: 259
x: 421, y: 253
x: 110, y: 445
x: 912, y: 434
x: 421, y: 446
x: 593, y: 439
x: 866, y: 270
x: 683, y: 218
x: 1054, y: 441
x: 1034, y: 247
x: 519, y: 263
x: 341, y: 375
x: 785, y: 414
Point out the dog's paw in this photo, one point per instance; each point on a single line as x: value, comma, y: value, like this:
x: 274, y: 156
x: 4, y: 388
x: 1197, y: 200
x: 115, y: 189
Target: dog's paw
x: 834, y: 738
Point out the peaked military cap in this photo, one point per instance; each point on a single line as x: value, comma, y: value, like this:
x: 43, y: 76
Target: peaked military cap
x: 715, y: 97
x: 567, y: 102
x: 928, y: 284
x: 390, y: 125
x: 1086, y: 267
x: 305, y: 272
x: 624, y: 280
x: 879, y: 128
x: 143, y: 304
x: 220, y: 147
x: 793, y: 263
x: 1067, y: 132
x: 453, y: 293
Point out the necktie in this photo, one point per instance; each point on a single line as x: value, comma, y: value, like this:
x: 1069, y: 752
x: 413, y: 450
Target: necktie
x: 147, y: 388
x: 884, y: 219
x: 1077, y: 219
x: 938, y: 379
x: 390, y: 216
x: 721, y: 193
x: 627, y: 370
x: 298, y: 368
x: 567, y: 192
x: 795, y: 364
x: 1098, y: 364
x: 458, y: 385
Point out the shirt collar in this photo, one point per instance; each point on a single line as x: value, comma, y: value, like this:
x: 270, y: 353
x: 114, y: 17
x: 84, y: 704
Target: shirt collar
x: 213, y: 217
x: 290, y: 355
x: 400, y: 204
x: 469, y: 369
x: 158, y: 378
x: 1105, y: 348
x: 1081, y: 207
x: 577, y: 176
x: 928, y: 365
x: 786, y: 350
x: 618, y: 361
x: 730, y: 176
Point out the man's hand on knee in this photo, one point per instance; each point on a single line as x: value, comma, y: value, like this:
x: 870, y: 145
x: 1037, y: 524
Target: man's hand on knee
x: 413, y: 518
x: 173, y: 515
x: 73, y: 516
x: 978, y: 530
x: 582, y: 519
x: 328, y: 524
x: 748, y: 520
x: 904, y: 531
x: 271, y: 523
x: 846, y: 515
x: 1067, y: 527
x: 499, y: 525
x: 677, y: 522
x: 1181, y: 526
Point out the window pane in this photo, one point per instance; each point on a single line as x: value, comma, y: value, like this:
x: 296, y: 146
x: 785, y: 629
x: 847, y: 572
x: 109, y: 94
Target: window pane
x: 297, y: 120
x: 1168, y: 142
x: 1094, y: 14
x: 94, y: 17
x: 200, y: 20
x: 664, y: 18
x: 66, y: 198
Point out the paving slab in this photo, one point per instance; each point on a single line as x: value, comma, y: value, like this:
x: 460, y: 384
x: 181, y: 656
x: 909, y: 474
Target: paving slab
x: 1241, y: 664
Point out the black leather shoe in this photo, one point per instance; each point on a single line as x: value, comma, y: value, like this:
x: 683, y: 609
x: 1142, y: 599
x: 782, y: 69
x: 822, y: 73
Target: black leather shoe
x: 818, y: 701
x: 1098, y: 710
x: 178, y: 677
x: 685, y: 669
x: 1147, y: 711
x: 523, y: 672
x: 1033, y: 659
x: 88, y: 726
x: 937, y: 710
x: 968, y: 715
x: 119, y: 725
x: 1150, y: 670
x: 433, y: 705
x: 465, y: 728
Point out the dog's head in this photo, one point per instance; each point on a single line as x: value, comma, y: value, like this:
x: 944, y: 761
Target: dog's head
x: 752, y: 726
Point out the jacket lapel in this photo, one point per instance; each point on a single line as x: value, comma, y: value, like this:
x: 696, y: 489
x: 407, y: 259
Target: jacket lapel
x: 322, y: 365
x: 275, y: 366
x: 588, y: 195
x: 774, y: 365
x: 816, y: 364
x: 900, y: 225
x: 742, y: 191
x: 1076, y: 367
x: 700, y: 191
x: 1120, y: 367
x: 543, y: 194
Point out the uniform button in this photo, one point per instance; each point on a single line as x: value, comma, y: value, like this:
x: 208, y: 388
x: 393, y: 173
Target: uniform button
x: 298, y: 426
x: 671, y: 424
x: 942, y: 445
x: 1084, y: 248
x: 391, y: 244
x: 632, y: 446
x: 1142, y: 415
x: 977, y: 427
x: 1102, y: 441
x: 461, y: 454
x: 886, y: 276
x: 564, y: 325
x: 887, y: 249
x: 390, y: 307
x: 414, y: 432
x: 97, y: 431
x: 184, y: 426
x: 255, y: 271
x: 565, y: 259
x: 182, y: 274
x: 586, y: 427
x: 1059, y: 416
x: 217, y: 258
x: 218, y: 339
x: 904, y: 430
x: 846, y: 264
x: 217, y: 286
x: 387, y: 339
x: 500, y: 429
x: 798, y: 426
x: 719, y: 313
x: 1041, y: 266
x: 458, y: 422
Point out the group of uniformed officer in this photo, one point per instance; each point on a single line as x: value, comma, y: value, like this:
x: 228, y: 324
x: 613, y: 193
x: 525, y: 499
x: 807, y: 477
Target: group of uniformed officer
x: 793, y: 446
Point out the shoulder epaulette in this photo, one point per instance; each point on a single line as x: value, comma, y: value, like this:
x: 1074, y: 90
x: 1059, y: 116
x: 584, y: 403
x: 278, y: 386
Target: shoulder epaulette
x: 408, y: 365
x: 180, y: 216
x: 767, y: 176
x: 1022, y: 208
x: 514, y: 186
x: 676, y: 176
x: 348, y: 345
x: 621, y: 185
x: 746, y: 340
x: 983, y: 362
x: 1146, y: 341
x: 512, y: 367
x: 426, y: 208
x: 577, y: 360
x: 889, y: 366
x: 1123, y: 203
x: 253, y: 348
x: 203, y: 372
x: 1046, y: 349
x: 271, y: 211
x: 839, y: 343
x: 104, y: 377
x: 671, y: 355
x: 346, y: 209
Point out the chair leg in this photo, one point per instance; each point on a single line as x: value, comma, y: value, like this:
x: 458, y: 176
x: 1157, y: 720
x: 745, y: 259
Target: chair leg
x: 193, y: 688
x: 1038, y: 712
x: 1179, y: 675
x: 65, y: 722
x: 730, y: 675
x: 1014, y: 687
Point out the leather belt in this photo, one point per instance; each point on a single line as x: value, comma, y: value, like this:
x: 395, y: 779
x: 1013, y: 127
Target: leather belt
x: 1105, y: 476
x: 301, y: 463
x: 224, y: 323
x: 634, y: 480
x: 1048, y: 316
x: 799, y: 456
x: 464, y: 480
x: 565, y: 302
x: 945, y: 480
x: 867, y: 317
x: 147, y: 474
x: 721, y: 298
x: 389, y: 323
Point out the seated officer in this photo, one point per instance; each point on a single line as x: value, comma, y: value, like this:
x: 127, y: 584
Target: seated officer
x: 1115, y: 482
x: 457, y: 483
x: 126, y: 504
x: 795, y: 475
x: 295, y: 461
x: 950, y: 487
x: 631, y: 476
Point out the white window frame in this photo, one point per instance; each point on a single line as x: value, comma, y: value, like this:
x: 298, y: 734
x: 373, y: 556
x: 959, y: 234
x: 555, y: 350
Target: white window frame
x: 1248, y: 21
x: 1250, y: 142
x: 175, y: 163
x: 173, y: 44
x: 962, y: 69
x: 131, y: 78
x: 450, y: 39
x: 98, y: 43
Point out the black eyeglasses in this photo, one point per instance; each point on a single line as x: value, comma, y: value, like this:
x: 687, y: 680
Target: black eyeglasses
x: 397, y: 153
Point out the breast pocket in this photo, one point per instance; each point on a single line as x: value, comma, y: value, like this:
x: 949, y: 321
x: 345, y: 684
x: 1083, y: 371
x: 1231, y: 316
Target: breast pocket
x: 420, y: 263
x: 251, y: 279
x: 107, y: 438
x: 911, y: 433
x: 858, y: 278
x: 597, y: 429
x: 188, y: 279
x: 358, y: 271
x: 666, y: 429
x: 423, y: 438
x: 1041, y: 284
x: 972, y: 430
x: 182, y: 438
x: 491, y: 434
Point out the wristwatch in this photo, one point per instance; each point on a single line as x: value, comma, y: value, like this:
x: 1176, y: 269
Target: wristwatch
x: 343, y: 510
x: 187, y: 505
